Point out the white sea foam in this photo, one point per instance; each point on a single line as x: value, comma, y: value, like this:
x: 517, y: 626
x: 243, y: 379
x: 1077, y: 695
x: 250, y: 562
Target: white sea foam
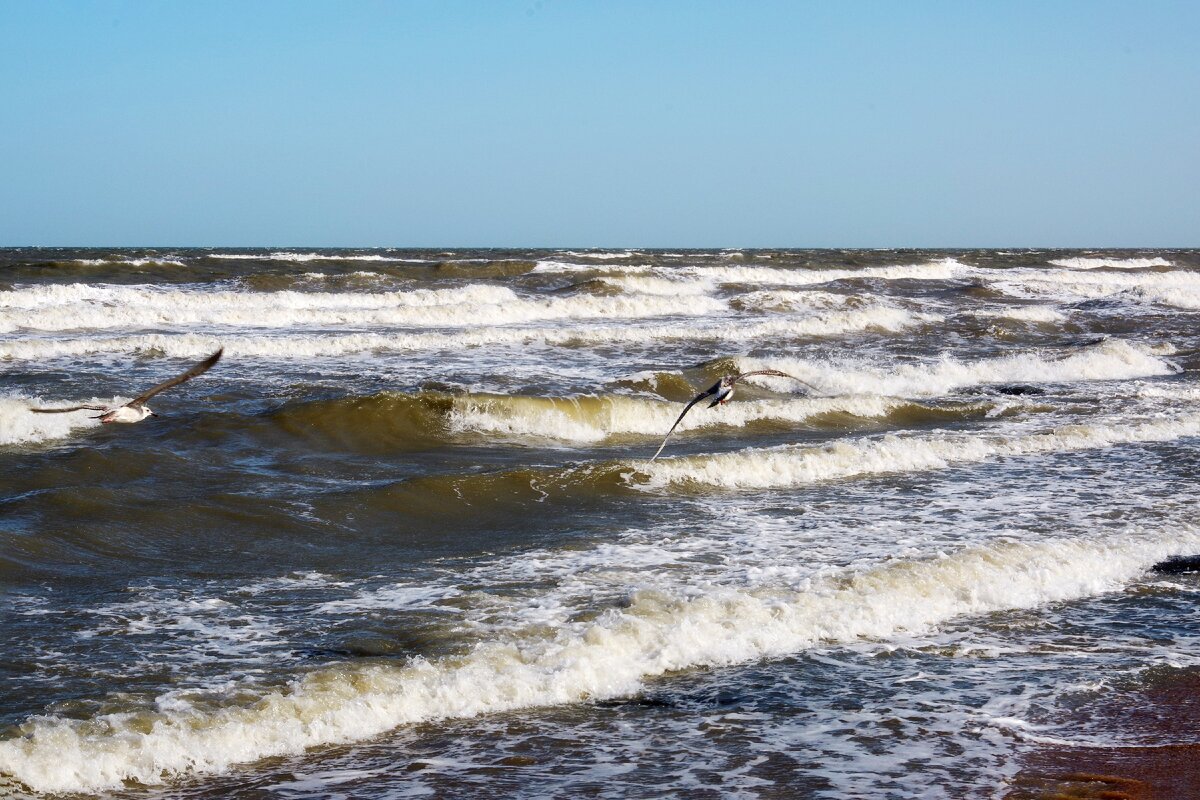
x: 799, y: 466
x: 200, y: 629
x: 82, y: 307
x: 1113, y: 359
x: 390, y: 597
x: 317, y: 345
x: 612, y: 656
x: 1111, y: 263
x: 792, y: 300
x: 19, y: 425
x: 1048, y: 315
x: 1171, y: 392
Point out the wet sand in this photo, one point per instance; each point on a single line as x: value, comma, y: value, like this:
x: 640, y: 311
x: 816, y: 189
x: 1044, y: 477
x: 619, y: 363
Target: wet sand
x: 1164, y: 717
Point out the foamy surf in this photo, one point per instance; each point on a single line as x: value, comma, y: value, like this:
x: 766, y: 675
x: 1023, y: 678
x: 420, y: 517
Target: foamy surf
x: 661, y: 631
x: 793, y: 466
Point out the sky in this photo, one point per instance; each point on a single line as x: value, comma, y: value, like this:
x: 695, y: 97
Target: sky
x: 582, y: 123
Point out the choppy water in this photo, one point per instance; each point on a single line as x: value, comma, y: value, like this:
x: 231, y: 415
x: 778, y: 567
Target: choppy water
x: 405, y: 539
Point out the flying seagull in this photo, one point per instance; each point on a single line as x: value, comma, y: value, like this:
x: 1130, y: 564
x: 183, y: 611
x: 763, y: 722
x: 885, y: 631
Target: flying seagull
x: 723, y: 390
x: 136, y: 409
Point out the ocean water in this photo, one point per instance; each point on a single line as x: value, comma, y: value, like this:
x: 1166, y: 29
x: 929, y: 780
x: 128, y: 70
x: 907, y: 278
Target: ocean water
x: 406, y: 539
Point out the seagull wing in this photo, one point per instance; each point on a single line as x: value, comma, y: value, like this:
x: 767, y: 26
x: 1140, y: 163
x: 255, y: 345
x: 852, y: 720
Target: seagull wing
x: 774, y: 372
x: 682, y: 414
x: 198, y: 369
x: 69, y: 408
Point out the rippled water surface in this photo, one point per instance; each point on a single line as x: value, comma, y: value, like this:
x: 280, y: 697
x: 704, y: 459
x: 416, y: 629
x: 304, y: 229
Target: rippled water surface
x: 406, y: 538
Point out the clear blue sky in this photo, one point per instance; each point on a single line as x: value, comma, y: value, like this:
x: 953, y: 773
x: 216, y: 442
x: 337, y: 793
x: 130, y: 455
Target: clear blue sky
x: 571, y: 123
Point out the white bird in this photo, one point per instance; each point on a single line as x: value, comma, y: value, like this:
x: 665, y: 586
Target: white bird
x: 136, y: 409
x: 721, y: 392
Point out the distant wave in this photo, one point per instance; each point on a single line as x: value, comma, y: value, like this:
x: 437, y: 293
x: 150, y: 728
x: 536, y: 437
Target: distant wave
x: 1111, y: 263
x: 129, y: 262
x: 285, y: 255
x: 940, y: 270
x: 294, y: 346
x: 83, y: 307
x: 601, y: 255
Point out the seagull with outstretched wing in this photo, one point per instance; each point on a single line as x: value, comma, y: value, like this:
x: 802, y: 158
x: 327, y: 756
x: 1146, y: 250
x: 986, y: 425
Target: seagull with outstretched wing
x: 136, y: 409
x: 721, y: 392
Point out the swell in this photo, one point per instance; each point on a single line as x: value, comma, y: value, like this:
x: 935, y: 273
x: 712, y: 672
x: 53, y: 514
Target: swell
x: 170, y: 737
x: 429, y: 417
x: 395, y: 421
x: 794, y: 466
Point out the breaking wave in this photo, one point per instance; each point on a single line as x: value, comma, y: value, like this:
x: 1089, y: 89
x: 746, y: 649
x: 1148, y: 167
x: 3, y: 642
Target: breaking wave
x: 1113, y: 359
x: 1111, y: 263
x: 799, y: 466
x: 941, y: 270
x: 19, y: 425
x: 1179, y: 288
x: 391, y: 420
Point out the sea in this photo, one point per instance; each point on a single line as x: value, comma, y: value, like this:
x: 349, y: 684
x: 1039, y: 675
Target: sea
x: 407, y: 538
